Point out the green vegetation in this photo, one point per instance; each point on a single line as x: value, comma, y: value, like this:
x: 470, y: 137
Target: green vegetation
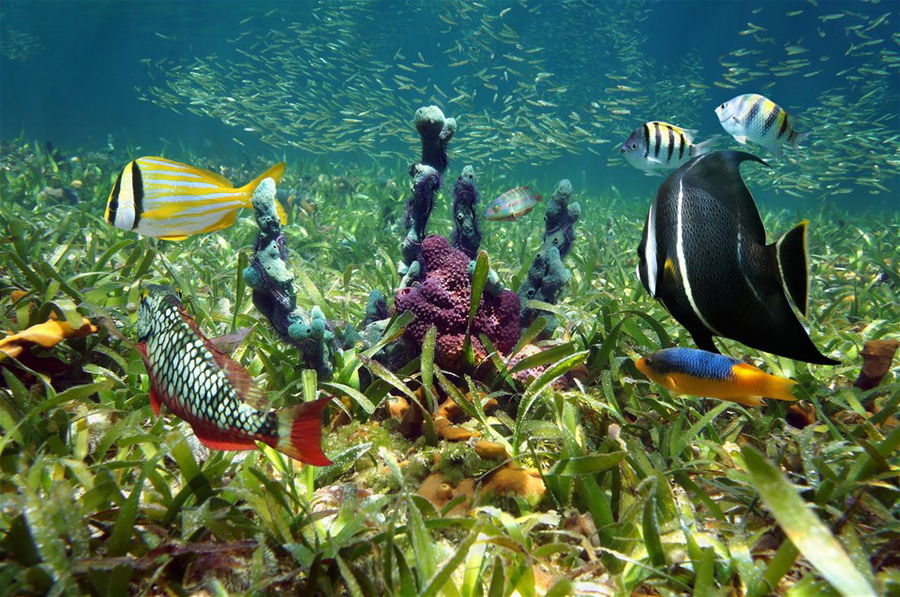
x: 645, y: 493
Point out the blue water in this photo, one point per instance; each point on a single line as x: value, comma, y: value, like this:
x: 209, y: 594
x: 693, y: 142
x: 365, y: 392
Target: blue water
x: 90, y: 61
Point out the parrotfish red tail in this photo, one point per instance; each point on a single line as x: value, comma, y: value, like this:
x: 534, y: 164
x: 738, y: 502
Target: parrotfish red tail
x: 275, y: 173
x: 300, y: 432
x: 791, y: 256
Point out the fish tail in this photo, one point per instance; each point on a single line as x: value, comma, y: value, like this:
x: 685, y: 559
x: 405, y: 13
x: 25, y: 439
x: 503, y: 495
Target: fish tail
x: 779, y: 388
x: 791, y: 256
x: 275, y: 173
x: 797, y: 138
x: 705, y: 147
x: 300, y: 432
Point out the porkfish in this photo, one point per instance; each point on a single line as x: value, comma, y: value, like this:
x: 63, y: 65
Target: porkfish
x: 162, y: 198
x: 711, y: 375
x: 704, y: 256
x: 214, y: 393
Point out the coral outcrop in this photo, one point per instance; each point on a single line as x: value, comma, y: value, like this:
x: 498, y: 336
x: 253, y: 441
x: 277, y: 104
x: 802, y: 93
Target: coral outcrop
x: 466, y: 234
x: 442, y: 299
x: 547, y: 274
x: 273, y: 292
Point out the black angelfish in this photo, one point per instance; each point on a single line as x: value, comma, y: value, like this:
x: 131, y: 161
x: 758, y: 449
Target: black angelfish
x: 704, y: 256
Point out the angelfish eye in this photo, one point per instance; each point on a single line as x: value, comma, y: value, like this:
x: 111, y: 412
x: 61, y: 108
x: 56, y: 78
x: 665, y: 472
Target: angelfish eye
x: 634, y: 145
x: 649, y: 361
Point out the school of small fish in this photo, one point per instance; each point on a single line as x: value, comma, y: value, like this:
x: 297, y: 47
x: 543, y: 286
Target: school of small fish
x: 525, y: 76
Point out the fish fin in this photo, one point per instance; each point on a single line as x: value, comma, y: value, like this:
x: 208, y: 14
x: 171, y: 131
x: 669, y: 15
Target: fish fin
x: 800, y: 138
x: 704, y: 147
x: 275, y: 173
x: 174, y: 238
x: 792, y: 258
x: 718, y: 173
x: 703, y: 340
x: 154, y: 402
x: 214, y: 177
x: 671, y: 383
x: 767, y: 385
x: 748, y: 400
x: 742, y: 139
x: 300, y: 432
x: 282, y: 215
x: 216, y: 439
x: 154, y: 399
x: 653, y: 172
x: 146, y: 164
x: 689, y: 131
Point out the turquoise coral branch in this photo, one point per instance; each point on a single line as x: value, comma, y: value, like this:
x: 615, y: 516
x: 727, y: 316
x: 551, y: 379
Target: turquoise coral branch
x: 547, y: 275
x: 273, y: 292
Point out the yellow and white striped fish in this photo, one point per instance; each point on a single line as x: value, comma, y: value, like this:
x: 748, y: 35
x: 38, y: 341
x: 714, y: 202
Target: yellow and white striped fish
x: 157, y: 197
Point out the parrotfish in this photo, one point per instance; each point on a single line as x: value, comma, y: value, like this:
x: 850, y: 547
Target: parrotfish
x: 511, y: 205
x: 214, y: 393
x: 157, y: 197
x: 656, y: 146
x: 704, y: 256
x: 753, y: 117
x: 701, y: 373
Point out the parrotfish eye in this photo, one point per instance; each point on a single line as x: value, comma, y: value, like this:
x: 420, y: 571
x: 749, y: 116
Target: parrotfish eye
x: 649, y: 361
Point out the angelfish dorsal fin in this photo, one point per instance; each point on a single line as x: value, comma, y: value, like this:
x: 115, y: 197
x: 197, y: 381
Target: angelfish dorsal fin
x: 791, y: 256
x: 718, y: 174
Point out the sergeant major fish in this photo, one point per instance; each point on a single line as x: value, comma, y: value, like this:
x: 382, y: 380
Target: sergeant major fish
x: 158, y: 197
x: 656, y: 146
x: 511, y: 205
x: 753, y: 117
x: 701, y: 373
x: 214, y: 393
x: 704, y: 256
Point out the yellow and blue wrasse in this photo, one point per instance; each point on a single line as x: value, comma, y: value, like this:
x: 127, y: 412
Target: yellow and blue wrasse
x: 157, y: 197
x: 214, y: 393
x: 701, y: 373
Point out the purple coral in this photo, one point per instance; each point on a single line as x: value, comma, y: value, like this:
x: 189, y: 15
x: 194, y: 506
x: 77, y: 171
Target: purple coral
x: 442, y: 300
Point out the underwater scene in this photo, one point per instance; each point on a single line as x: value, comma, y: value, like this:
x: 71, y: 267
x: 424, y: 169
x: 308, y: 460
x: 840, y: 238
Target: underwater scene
x: 461, y: 298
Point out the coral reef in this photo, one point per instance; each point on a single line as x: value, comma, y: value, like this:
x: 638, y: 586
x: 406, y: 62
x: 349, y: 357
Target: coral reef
x: 435, y: 131
x: 273, y: 292
x: 466, y: 234
x: 442, y: 300
x: 547, y: 274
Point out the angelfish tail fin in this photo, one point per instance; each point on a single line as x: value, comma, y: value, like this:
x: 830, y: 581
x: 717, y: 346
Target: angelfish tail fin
x: 275, y: 173
x: 791, y: 256
x: 300, y: 432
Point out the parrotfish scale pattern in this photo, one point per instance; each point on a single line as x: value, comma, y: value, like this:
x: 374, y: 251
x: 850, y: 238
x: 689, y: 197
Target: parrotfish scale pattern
x: 194, y: 386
